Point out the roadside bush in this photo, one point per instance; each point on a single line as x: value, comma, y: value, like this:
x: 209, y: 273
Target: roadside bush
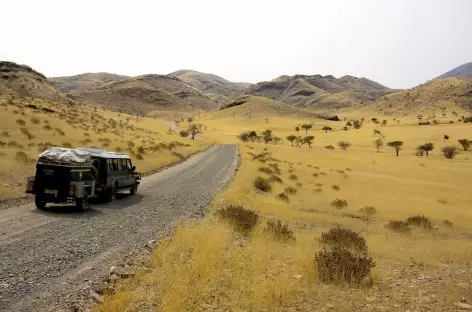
x: 283, y: 197
x: 336, y: 187
x: 183, y: 133
x: 339, y: 265
x: 344, y: 238
x: 275, y: 178
x: 291, y: 190
x: 420, y: 221
x: 178, y: 155
x: 279, y: 231
x: 266, y: 170
x: 398, y: 226
x: 262, y: 184
x: 450, y: 151
x: 293, y: 177
x: 243, y: 220
x: 339, y: 203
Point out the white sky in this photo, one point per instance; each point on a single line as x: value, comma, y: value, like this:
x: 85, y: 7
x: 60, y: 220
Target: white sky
x: 399, y: 43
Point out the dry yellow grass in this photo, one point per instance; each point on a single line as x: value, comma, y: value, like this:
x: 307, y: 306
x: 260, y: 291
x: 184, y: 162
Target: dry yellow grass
x: 206, y: 265
x: 77, y: 125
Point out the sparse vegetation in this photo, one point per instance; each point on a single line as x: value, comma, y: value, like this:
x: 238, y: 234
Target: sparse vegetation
x: 283, y: 197
x: 344, y: 145
x: 184, y: 133
x: 396, y: 145
x: 262, y: 184
x: 398, y: 226
x: 329, y: 147
x: 344, y: 238
x: 449, y: 151
x: 293, y: 177
x: 368, y: 210
x: 379, y: 143
x: 465, y: 143
x: 339, y: 203
x: 326, y: 129
x: 420, y: 221
x: 426, y: 148
x: 279, y: 231
x: 243, y: 220
x: 336, y: 187
x: 291, y: 190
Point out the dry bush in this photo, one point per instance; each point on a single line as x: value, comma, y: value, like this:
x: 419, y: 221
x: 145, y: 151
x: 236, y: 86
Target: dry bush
x: 178, y: 155
x: 323, y: 173
x: 130, y: 144
x: 118, y: 149
x: 315, y: 175
x: 5, y: 134
x: 299, y: 184
x: 291, y: 190
x: 183, y: 133
x: 420, y: 221
x: 139, y: 157
x: 329, y: 147
x: 398, y: 226
x: 336, y: 187
x: 141, y: 150
x: 262, y: 184
x: 318, y: 190
x: 21, y: 158
x: 275, y: 178
x: 279, y: 231
x: 344, y: 145
x: 21, y: 122
x: 27, y: 133
x: 368, y: 210
x: 339, y: 265
x: 283, y: 197
x: 44, y: 146
x: 13, y: 143
x: 266, y: 170
x: 293, y: 177
x: 448, y: 224
x: 319, y: 184
x: 450, y: 151
x: 344, y: 238
x: 242, y: 219
x: 47, y: 127
x: 35, y: 120
x: 339, y: 203
x: 59, y: 131
x: 66, y: 145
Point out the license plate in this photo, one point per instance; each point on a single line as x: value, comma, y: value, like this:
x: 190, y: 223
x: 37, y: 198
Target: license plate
x: 54, y: 192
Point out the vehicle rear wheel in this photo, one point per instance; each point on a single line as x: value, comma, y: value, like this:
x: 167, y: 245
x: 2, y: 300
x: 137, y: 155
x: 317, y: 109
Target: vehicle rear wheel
x: 40, y: 204
x: 134, y: 190
x: 82, y: 203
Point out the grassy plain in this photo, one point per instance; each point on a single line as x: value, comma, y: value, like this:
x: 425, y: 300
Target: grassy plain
x: 207, y: 266
x: 29, y: 126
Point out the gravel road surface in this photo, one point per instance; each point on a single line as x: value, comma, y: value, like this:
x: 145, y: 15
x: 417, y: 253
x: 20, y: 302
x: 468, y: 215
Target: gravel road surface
x: 48, y: 256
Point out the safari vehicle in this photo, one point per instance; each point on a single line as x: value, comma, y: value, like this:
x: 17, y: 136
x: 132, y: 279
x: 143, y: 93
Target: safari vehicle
x: 74, y: 175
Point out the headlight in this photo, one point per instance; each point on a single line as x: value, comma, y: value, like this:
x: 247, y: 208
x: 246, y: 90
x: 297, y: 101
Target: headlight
x: 72, y: 190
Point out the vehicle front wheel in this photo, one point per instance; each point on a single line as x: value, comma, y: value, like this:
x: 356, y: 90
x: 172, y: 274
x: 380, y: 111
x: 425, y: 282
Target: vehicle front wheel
x: 134, y: 190
x: 82, y: 203
x: 40, y: 204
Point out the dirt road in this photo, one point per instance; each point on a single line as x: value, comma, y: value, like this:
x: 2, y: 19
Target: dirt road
x: 48, y: 256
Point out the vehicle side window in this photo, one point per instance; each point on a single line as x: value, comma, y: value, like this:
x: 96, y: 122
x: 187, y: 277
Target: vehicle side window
x: 110, y: 164
x: 116, y: 164
x: 128, y: 164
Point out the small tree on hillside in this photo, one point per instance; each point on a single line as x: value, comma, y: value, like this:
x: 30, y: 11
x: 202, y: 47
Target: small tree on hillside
x: 253, y: 136
x: 194, y: 129
x: 267, y: 136
x: 450, y: 151
x: 345, y: 128
x: 326, y: 129
x: 306, y: 127
x: 244, y: 137
x: 309, y: 140
x: 427, y: 148
x: 357, y: 124
x: 384, y: 122
x: 397, y: 145
x: 297, y: 128
x: 379, y: 143
x: 465, y: 143
x: 190, y: 120
x: 299, y: 141
x: 291, y: 138
x: 377, y: 132
x: 344, y: 145
x: 349, y: 124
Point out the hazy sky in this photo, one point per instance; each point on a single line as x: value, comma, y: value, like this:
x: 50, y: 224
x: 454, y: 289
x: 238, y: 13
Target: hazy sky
x: 399, y: 43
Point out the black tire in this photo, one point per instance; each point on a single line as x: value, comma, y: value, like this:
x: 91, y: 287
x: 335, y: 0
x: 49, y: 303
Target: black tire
x: 40, y: 204
x: 134, y: 190
x: 82, y: 203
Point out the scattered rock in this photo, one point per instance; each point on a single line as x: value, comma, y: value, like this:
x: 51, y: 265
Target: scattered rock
x: 463, y: 306
x: 297, y: 276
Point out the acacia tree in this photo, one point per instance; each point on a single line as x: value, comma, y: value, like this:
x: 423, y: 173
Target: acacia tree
x: 306, y: 127
x: 326, y: 129
x: 194, y: 129
x: 344, y: 145
x: 308, y: 140
x: 397, y: 145
x: 267, y: 136
x: 377, y: 132
x: 297, y: 128
x: 379, y: 143
x: 427, y: 148
x: 291, y: 138
x: 465, y: 143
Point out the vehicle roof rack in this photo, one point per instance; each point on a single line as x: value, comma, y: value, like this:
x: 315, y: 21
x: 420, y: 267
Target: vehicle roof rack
x: 98, y: 152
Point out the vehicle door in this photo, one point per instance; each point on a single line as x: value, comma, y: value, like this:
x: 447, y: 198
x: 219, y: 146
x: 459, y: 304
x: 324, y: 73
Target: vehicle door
x: 129, y: 173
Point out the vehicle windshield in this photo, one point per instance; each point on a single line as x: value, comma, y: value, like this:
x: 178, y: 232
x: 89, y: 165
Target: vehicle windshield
x: 79, y: 175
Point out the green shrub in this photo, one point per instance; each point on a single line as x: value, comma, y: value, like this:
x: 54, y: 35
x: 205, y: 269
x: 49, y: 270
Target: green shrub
x: 344, y: 238
x: 242, y: 219
x: 262, y: 184
x: 279, y: 231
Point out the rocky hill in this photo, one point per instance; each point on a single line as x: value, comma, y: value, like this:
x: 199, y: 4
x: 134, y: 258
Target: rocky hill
x: 464, y: 70
x: 22, y: 80
x: 145, y: 94
x: 323, y: 92
x: 214, y: 86
x: 450, y: 93
x: 82, y: 82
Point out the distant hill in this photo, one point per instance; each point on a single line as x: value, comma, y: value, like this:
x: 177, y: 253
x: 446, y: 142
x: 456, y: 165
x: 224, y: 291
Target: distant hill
x: 451, y: 93
x: 322, y: 92
x: 214, y: 86
x: 465, y: 70
x: 145, y: 94
x: 22, y: 80
x: 84, y: 82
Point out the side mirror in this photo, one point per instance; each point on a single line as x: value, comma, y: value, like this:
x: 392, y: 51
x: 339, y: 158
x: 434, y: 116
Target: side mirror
x: 133, y: 168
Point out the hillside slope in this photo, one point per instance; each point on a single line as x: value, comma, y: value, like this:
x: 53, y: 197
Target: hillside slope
x: 22, y: 80
x: 84, y: 82
x: 464, y: 70
x: 321, y: 92
x: 449, y: 93
x: 209, y: 84
x: 142, y: 95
